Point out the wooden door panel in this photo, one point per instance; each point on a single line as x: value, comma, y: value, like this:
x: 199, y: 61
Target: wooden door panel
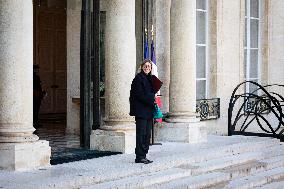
x: 45, y: 59
x: 60, y: 63
x: 60, y: 22
x: 47, y: 105
x: 60, y: 51
x: 45, y: 37
x: 54, y: 3
x: 60, y: 91
x: 60, y: 100
x: 51, y: 53
x: 45, y: 19
x: 60, y: 80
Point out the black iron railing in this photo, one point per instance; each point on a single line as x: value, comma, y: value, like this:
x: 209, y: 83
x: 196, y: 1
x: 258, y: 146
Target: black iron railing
x: 208, y: 108
x: 247, y: 110
x: 254, y: 104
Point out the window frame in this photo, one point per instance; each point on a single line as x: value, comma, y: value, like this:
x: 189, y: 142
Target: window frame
x: 247, y: 44
x: 206, y: 45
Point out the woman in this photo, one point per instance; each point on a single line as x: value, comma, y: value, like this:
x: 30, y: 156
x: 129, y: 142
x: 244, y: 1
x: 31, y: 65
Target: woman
x: 142, y: 99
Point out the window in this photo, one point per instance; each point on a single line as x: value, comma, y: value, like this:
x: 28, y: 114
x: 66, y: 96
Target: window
x: 252, y: 44
x: 201, y: 48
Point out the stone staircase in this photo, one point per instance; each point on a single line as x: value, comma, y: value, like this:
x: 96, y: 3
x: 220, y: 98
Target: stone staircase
x: 252, y: 163
x: 221, y: 163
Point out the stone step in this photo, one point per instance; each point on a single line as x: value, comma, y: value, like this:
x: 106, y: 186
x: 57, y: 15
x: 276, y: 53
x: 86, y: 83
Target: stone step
x: 245, y: 169
x: 254, y: 166
x: 226, y: 152
x: 274, y: 162
x: 220, y: 163
x: 109, y: 169
x: 273, y: 185
x: 219, y: 152
x: 236, y: 165
x: 257, y: 179
x: 144, y: 180
x: 158, y: 179
x: 272, y: 151
x: 194, y: 182
x: 218, y: 185
x: 238, y: 148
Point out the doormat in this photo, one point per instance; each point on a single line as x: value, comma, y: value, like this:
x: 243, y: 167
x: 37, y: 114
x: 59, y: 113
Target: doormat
x: 76, y: 154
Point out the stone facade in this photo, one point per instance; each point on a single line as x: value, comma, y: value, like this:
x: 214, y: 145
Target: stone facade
x: 275, y: 41
x: 175, y: 41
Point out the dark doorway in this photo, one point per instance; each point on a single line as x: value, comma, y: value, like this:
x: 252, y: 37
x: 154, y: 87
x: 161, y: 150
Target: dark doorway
x: 50, y: 53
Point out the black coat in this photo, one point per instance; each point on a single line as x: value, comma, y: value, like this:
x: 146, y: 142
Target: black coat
x: 142, y: 97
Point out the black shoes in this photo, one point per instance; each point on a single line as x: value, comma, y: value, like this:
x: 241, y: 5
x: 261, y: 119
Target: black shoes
x: 144, y: 160
x: 149, y: 161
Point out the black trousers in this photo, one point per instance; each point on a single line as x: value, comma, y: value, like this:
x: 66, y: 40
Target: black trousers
x: 143, y: 135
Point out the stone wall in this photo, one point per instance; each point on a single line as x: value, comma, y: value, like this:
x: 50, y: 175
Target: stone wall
x: 229, y: 49
x: 73, y: 65
x: 276, y: 42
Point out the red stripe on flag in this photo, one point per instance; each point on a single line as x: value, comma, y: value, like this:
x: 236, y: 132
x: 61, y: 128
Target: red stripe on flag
x: 159, y: 101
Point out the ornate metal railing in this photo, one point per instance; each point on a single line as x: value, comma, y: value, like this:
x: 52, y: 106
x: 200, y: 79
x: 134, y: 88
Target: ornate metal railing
x: 247, y: 110
x: 208, y: 108
x: 253, y: 103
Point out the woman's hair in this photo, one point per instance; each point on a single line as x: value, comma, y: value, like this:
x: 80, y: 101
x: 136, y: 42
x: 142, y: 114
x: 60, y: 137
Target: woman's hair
x: 142, y: 64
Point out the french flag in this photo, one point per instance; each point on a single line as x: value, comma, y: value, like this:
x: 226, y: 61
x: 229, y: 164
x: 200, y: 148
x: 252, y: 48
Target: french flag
x: 155, y: 72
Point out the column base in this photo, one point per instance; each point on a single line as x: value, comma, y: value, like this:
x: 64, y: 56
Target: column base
x: 182, y: 117
x: 114, y: 140
x: 194, y: 132
x: 24, y: 156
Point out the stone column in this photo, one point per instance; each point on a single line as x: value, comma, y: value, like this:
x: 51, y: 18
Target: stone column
x: 183, y: 61
x: 118, y: 133
x: 182, y: 122
x: 20, y: 149
x: 162, y: 23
